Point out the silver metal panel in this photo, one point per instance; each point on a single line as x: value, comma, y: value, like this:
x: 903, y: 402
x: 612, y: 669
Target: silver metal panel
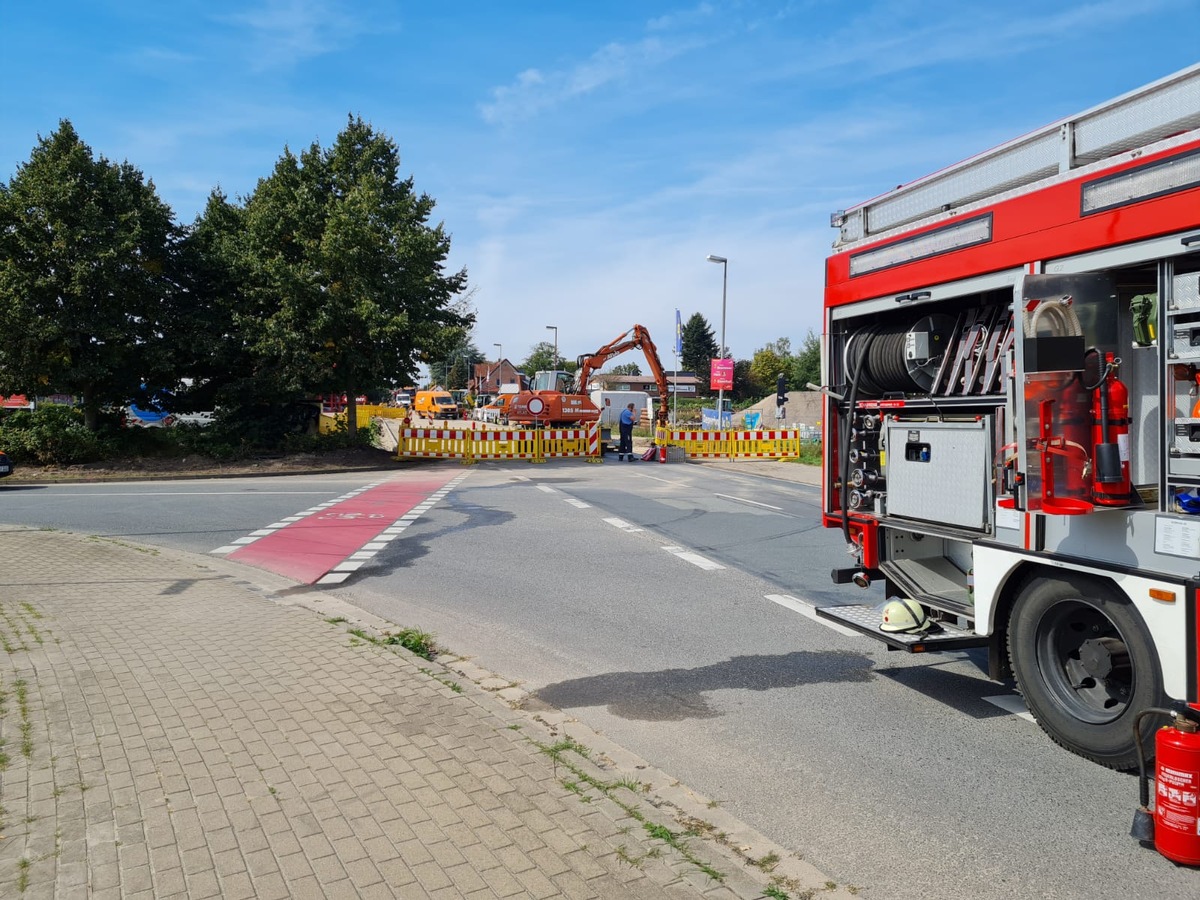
x: 1185, y: 292
x: 1186, y: 437
x: 1116, y: 538
x: 1140, y: 372
x: 1016, y: 165
x: 950, y: 483
x: 1180, y: 340
x: 1171, y: 108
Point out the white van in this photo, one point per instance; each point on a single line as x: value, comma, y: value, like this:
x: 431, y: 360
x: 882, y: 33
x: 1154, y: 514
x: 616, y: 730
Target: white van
x: 610, y: 404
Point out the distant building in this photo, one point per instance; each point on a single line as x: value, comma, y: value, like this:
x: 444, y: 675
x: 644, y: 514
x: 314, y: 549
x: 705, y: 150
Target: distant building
x: 686, y: 384
x: 486, y: 377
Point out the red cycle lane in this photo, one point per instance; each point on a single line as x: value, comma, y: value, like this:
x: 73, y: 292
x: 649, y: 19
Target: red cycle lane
x: 307, y: 549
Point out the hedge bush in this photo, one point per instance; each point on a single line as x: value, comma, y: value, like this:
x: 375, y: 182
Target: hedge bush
x: 52, y: 436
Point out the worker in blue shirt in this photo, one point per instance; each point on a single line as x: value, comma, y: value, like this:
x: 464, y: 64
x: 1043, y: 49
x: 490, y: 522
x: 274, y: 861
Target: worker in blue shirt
x: 628, y: 417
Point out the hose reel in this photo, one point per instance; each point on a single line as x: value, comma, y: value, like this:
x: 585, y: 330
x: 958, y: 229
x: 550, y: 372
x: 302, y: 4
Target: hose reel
x: 897, y: 357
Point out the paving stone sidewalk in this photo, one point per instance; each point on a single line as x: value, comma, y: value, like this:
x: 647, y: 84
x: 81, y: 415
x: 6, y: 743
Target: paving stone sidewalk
x: 172, y: 726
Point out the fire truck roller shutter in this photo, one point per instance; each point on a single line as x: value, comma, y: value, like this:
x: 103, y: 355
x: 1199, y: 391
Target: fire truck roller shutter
x: 1085, y: 664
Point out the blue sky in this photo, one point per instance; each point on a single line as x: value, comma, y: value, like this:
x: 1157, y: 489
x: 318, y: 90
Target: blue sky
x: 587, y: 157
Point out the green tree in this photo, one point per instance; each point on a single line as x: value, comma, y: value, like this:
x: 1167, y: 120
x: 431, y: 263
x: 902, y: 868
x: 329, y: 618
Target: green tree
x: 540, y: 358
x: 767, y: 364
x: 699, y: 349
x: 347, y: 283
x: 454, y: 370
x: 806, y: 363
x: 225, y: 373
x: 88, y: 274
x: 744, y: 387
x: 630, y: 368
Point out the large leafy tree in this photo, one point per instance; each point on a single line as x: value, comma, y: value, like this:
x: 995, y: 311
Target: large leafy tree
x: 88, y: 276
x: 699, y: 348
x: 540, y: 358
x: 767, y: 365
x: 347, y: 279
x: 806, y: 363
x: 453, y: 370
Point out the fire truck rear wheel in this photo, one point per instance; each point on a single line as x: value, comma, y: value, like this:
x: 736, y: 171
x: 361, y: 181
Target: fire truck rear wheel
x: 1086, y: 666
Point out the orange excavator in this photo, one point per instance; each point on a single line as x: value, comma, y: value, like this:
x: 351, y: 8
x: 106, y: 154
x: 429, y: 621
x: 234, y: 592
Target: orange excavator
x: 555, y: 398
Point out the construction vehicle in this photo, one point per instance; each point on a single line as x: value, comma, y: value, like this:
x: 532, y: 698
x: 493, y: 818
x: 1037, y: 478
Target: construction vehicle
x: 557, y: 398
x: 635, y: 337
x: 1010, y: 365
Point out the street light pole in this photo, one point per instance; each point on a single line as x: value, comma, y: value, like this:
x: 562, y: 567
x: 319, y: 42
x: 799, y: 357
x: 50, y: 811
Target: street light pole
x: 554, y: 328
x: 499, y: 364
x: 721, y: 352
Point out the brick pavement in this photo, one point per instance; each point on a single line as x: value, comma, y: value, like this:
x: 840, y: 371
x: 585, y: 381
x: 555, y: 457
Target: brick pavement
x: 175, y: 726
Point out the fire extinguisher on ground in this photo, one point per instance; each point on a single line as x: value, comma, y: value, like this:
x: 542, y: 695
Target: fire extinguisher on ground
x: 1174, y: 826
x: 1111, y: 484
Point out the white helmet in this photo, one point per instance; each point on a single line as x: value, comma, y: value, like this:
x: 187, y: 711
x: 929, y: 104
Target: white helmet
x: 906, y: 616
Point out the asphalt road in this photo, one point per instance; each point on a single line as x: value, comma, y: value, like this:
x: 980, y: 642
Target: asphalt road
x: 653, y: 603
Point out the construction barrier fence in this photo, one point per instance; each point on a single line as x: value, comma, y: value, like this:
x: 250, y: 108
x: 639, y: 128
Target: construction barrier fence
x: 782, y: 444
x: 469, y: 445
x: 538, y: 444
x: 331, y: 422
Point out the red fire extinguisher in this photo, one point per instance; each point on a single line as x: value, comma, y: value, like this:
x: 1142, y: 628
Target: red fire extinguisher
x: 1111, y: 484
x: 1174, y: 827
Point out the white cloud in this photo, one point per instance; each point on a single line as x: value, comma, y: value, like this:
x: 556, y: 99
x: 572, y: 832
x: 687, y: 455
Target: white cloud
x: 535, y: 91
x: 283, y: 33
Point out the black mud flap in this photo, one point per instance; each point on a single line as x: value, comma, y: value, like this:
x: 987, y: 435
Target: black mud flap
x: 866, y: 619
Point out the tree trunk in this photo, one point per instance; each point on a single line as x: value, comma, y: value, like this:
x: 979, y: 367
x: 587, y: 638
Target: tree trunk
x: 91, y: 415
x: 351, y: 411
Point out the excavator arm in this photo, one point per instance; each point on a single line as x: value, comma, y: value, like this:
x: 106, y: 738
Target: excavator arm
x: 635, y: 337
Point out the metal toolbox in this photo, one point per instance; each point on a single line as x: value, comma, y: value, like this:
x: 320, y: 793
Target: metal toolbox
x: 940, y: 471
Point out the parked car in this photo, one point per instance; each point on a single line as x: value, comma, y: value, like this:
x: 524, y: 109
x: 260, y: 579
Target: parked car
x: 6, y: 466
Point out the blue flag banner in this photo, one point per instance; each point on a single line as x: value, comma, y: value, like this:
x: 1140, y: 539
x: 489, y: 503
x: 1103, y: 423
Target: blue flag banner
x: 678, y: 335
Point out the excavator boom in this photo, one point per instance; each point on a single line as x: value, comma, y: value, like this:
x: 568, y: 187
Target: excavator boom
x: 635, y: 337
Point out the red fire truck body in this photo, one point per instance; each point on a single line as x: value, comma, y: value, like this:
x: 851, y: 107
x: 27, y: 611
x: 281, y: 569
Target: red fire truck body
x: 1012, y: 426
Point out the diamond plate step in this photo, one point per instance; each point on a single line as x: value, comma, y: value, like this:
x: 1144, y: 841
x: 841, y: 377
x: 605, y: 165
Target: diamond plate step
x: 866, y: 619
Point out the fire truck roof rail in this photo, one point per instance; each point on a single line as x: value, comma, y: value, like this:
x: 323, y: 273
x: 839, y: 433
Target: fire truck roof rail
x: 1165, y: 108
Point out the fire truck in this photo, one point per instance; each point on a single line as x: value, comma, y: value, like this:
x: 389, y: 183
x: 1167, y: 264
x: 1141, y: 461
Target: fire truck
x: 1011, y: 360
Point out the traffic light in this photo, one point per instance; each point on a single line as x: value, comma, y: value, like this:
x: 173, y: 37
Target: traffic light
x: 780, y: 390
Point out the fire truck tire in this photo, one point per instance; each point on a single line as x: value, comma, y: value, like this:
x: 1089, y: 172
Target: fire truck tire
x: 1086, y: 666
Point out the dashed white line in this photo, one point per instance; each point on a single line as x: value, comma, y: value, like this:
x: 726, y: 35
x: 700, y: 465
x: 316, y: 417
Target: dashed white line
x: 622, y: 524
x: 1012, y: 703
x: 547, y: 489
x: 694, y: 558
x: 809, y: 612
x: 751, y: 502
x: 663, y: 480
x: 578, y: 504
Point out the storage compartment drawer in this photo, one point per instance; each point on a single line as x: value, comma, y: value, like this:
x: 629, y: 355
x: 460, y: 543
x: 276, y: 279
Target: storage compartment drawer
x: 940, y: 471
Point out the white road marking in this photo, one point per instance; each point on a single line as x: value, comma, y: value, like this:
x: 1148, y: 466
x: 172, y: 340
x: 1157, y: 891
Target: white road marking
x: 622, y: 524
x: 1012, y: 703
x: 694, y: 558
x: 333, y: 578
x: 578, y: 504
x: 663, y: 480
x: 809, y: 612
x: 752, y: 502
x: 547, y: 489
